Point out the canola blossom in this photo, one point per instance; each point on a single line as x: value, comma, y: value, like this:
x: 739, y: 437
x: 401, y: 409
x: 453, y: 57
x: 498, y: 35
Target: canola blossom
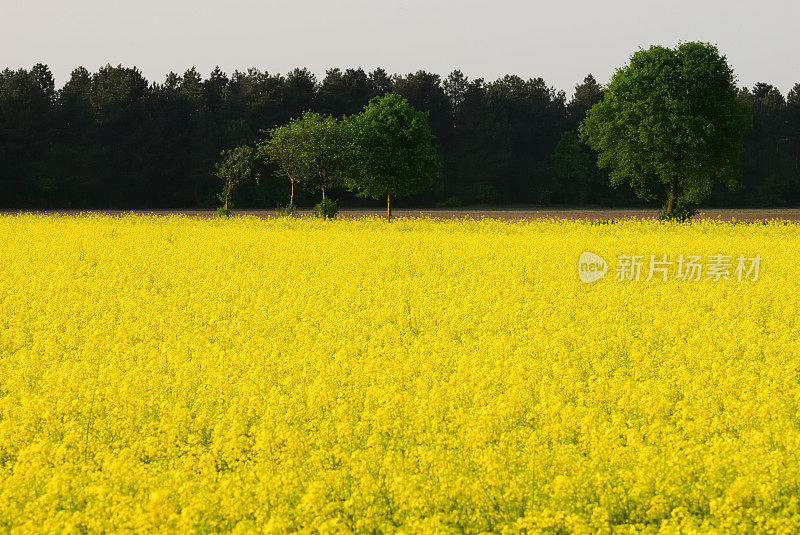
x: 171, y: 374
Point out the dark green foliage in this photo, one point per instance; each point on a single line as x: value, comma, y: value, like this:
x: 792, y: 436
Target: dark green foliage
x: 28, y: 173
x: 683, y: 210
x: 111, y: 139
x: 326, y: 209
x: 571, y: 170
x: 771, y: 174
x: 503, y: 134
x: 586, y: 95
x: 286, y: 210
x: 344, y: 93
x: 670, y: 117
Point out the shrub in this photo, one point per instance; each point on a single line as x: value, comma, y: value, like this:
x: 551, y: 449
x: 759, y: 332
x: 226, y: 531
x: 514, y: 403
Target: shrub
x: 683, y: 211
x: 326, y: 209
x: 288, y: 210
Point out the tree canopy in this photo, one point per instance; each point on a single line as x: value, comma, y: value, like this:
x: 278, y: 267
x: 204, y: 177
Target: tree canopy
x: 314, y: 151
x: 396, y: 155
x: 670, y: 116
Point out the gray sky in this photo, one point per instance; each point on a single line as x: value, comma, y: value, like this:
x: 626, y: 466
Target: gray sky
x: 559, y: 41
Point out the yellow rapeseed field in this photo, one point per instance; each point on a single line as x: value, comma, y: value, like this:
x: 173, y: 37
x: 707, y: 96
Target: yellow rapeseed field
x: 274, y: 376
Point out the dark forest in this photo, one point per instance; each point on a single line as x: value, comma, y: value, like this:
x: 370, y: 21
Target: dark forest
x: 112, y: 139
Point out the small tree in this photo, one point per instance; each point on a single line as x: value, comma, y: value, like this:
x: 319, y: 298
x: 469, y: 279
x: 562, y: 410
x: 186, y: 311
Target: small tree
x: 394, y: 150
x: 313, y: 150
x: 282, y: 149
x: 235, y: 166
x: 672, y: 117
x: 329, y: 157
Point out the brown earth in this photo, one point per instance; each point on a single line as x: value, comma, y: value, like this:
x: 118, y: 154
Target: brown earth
x: 480, y: 212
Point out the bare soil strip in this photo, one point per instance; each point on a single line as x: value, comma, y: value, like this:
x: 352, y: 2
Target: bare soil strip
x: 585, y: 214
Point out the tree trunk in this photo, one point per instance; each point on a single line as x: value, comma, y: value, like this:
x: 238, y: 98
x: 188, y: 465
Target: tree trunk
x: 323, y: 194
x: 291, y: 196
x: 389, y: 207
x: 673, y: 185
x: 226, y: 200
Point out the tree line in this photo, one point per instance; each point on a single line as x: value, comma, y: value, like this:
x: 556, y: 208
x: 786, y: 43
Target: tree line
x: 111, y: 139
x: 383, y: 152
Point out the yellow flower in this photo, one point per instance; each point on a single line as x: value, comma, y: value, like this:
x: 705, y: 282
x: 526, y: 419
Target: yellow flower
x: 177, y: 374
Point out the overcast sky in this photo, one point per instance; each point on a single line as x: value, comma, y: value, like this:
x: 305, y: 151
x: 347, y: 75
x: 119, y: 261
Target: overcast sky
x: 561, y: 41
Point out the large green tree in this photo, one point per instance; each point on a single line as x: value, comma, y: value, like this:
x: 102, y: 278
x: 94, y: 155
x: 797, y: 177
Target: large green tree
x: 394, y: 150
x: 670, y: 116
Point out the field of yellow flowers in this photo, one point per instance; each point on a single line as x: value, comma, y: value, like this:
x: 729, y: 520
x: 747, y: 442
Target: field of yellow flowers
x: 249, y: 375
